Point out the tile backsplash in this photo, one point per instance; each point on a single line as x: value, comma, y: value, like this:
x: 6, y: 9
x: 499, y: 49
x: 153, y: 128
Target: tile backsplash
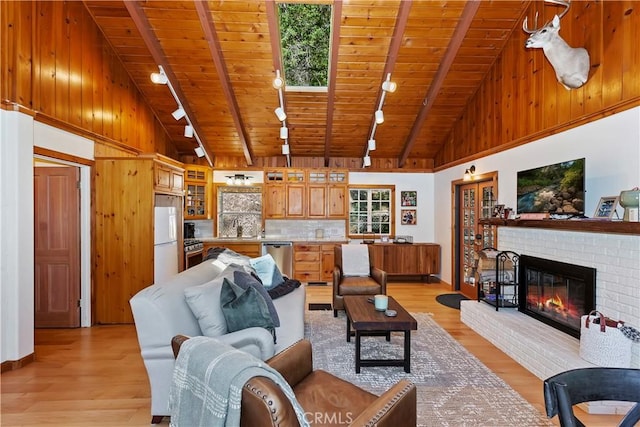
x: 305, y: 229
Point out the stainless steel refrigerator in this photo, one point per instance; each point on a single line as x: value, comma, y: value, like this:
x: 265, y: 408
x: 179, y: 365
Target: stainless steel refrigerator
x: 165, y: 250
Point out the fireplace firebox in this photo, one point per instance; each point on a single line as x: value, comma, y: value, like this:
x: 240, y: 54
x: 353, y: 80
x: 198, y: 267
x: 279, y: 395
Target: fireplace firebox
x: 556, y: 293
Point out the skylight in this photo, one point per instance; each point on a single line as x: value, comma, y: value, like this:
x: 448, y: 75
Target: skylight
x: 305, y: 34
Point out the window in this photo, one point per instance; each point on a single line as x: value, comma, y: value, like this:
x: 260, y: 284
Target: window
x: 239, y: 207
x: 371, y: 210
x: 305, y: 35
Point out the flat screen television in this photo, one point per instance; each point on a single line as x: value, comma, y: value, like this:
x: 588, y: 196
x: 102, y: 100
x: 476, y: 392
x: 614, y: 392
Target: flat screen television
x: 554, y: 189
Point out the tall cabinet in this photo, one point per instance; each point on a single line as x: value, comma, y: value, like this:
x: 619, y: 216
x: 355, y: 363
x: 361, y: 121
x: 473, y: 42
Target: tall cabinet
x: 126, y: 192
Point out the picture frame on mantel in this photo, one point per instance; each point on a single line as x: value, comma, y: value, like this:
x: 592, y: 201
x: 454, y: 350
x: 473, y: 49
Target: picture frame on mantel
x: 606, y: 207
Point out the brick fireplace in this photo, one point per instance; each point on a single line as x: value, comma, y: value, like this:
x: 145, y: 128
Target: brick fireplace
x: 540, y: 348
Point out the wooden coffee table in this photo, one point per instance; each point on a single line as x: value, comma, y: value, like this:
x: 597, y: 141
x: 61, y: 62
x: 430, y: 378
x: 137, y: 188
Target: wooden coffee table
x: 366, y: 320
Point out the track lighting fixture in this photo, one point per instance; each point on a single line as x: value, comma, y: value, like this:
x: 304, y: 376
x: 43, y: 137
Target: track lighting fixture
x: 179, y: 113
x: 278, y: 82
x: 188, y: 131
x: 159, y: 78
x: 284, y: 132
x: 371, y: 145
x: 199, y: 151
x: 389, y: 86
x: 379, y: 117
x: 366, y: 161
x: 280, y: 114
x: 285, y: 149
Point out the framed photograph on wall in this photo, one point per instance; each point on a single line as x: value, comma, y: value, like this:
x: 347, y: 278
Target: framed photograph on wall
x: 408, y: 198
x: 606, y: 207
x: 408, y: 216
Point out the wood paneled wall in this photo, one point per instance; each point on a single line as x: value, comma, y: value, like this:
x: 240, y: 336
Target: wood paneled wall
x: 56, y: 62
x: 521, y: 100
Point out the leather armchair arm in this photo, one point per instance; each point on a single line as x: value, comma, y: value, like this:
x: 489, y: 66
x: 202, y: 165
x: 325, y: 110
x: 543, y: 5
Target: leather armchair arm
x: 337, y: 278
x: 380, y: 276
x: 294, y: 363
x: 395, y: 407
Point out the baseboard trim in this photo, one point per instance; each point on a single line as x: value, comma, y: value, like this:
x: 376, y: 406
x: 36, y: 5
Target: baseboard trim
x: 12, y: 365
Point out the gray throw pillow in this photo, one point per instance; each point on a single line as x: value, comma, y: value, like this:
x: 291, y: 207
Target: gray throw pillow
x: 246, y: 280
x: 244, y: 308
x: 204, y: 302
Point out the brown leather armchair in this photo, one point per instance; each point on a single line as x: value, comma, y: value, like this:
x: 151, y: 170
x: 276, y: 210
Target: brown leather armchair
x: 375, y: 283
x: 326, y: 399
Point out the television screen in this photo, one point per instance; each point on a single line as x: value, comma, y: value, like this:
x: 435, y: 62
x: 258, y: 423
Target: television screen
x: 556, y: 189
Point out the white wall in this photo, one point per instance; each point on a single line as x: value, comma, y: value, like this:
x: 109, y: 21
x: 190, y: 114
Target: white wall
x: 423, y: 183
x: 18, y: 135
x: 16, y: 235
x: 610, y: 145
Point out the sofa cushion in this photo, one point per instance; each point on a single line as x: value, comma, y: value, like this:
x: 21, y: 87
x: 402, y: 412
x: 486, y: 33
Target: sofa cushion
x: 267, y: 270
x: 244, y: 308
x: 246, y: 280
x: 204, y: 302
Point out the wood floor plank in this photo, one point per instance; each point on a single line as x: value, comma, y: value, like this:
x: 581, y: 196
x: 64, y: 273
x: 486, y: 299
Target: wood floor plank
x: 95, y: 376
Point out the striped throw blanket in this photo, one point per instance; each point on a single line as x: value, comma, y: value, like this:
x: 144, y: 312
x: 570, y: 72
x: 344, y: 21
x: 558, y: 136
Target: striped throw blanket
x: 208, y: 378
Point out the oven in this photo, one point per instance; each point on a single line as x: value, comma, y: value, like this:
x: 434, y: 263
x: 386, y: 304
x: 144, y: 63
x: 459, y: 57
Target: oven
x: 193, y: 252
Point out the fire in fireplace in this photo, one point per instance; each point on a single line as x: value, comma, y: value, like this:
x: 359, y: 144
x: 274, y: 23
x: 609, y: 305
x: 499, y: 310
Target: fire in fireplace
x: 556, y: 293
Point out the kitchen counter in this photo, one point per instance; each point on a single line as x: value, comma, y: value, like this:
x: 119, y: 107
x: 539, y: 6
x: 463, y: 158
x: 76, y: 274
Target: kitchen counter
x: 271, y: 239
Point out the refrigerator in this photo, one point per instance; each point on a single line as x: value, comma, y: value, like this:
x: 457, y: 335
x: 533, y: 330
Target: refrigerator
x: 165, y: 247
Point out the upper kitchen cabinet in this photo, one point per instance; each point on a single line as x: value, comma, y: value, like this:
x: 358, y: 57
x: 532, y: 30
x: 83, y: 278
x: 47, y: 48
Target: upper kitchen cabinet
x: 197, y: 192
x: 305, y: 193
x: 127, y: 190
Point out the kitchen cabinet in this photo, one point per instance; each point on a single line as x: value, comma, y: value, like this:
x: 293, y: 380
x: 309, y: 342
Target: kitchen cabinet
x: 314, y: 262
x: 416, y: 259
x: 126, y: 191
x: 197, y: 194
x: 305, y: 193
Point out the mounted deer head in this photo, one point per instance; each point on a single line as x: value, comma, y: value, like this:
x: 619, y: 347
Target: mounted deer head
x: 570, y: 64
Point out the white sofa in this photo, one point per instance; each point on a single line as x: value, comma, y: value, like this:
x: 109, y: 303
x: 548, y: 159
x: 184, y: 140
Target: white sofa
x: 160, y: 312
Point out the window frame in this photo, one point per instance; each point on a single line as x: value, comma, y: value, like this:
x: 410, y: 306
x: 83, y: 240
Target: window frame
x: 392, y: 216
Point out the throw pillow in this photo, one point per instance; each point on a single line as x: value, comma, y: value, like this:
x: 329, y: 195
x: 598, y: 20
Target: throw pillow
x: 267, y: 270
x: 245, y: 280
x: 229, y: 257
x: 244, y: 308
x: 204, y: 302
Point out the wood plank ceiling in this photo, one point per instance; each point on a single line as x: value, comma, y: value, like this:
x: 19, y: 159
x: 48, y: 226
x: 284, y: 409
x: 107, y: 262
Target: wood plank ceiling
x: 221, y: 57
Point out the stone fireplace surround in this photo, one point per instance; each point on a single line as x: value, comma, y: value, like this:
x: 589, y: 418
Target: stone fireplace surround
x: 540, y: 348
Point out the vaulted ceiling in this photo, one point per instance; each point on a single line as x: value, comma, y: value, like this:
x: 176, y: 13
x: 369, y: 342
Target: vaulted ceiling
x: 221, y: 58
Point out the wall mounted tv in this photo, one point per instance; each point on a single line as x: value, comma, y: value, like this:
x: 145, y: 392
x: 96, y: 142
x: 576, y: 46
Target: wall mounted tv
x: 556, y: 189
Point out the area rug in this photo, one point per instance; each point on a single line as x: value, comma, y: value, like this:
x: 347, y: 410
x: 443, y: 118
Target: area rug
x: 454, y: 387
x: 451, y: 300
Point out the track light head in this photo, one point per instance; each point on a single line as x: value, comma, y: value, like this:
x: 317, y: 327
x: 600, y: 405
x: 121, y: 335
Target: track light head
x: 366, y: 161
x: 389, y: 86
x: 188, y: 131
x: 285, y: 149
x: 284, y: 132
x: 179, y: 113
x: 159, y: 78
x: 280, y: 114
x: 199, y: 151
x: 371, y: 144
x: 379, y: 117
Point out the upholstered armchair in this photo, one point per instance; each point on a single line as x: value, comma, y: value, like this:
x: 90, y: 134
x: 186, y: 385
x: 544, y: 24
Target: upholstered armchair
x: 325, y: 398
x: 369, y: 280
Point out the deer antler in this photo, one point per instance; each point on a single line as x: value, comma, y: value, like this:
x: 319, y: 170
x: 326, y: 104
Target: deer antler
x: 565, y: 3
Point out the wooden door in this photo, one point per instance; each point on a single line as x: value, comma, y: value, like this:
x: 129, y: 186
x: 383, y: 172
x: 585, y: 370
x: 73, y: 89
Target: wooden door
x: 57, y: 243
x: 475, y: 201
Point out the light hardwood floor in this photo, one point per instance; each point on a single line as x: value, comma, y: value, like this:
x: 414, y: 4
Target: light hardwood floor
x: 95, y: 376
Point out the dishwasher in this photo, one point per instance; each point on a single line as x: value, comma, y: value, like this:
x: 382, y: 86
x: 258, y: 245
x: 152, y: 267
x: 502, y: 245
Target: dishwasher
x: 282, y: 253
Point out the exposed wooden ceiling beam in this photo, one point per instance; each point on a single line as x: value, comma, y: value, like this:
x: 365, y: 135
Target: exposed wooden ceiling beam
x: 202, y: 7
x: 470, y: 9
x: 150, y: 40
x: 392, y: 55
x: 333, y: 72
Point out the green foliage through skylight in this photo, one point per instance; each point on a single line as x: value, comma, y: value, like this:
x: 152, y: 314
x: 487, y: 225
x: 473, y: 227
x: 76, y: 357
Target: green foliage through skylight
x: 305, y: 33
